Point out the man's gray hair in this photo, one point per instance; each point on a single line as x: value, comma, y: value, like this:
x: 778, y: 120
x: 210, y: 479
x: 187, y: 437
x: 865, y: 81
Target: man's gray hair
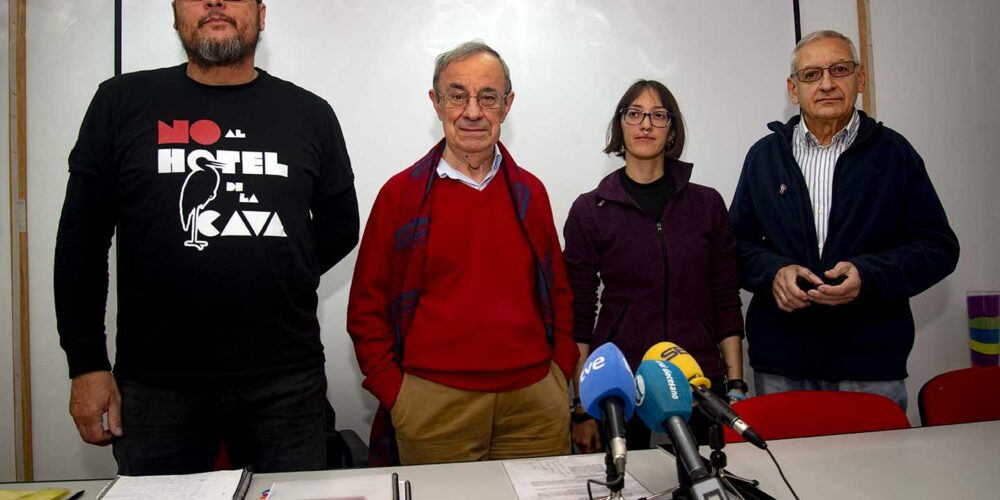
x: 816, y: 36
x: 464, y: 50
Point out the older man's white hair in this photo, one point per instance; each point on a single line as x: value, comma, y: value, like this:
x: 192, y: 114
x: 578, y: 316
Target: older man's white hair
x: 816, y: 36
x: 464, y: 50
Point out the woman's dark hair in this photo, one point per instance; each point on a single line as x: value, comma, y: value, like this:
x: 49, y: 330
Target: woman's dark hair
x: 675, y: 143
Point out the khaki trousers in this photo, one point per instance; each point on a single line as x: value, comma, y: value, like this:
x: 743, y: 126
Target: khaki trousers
x: 436, y: 423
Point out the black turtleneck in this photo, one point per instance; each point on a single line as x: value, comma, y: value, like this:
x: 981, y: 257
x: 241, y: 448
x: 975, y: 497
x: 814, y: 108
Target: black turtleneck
x: 651, y: 197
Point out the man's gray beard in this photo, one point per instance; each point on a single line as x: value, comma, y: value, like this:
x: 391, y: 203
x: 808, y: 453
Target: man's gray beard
x: 208, y: 53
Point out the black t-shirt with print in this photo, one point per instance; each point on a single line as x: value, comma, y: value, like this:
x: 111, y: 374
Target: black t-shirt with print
x: 212, y: 188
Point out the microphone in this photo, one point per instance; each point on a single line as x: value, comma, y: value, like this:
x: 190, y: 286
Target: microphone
x: 673, y: 353
x: 664, y: 399
x: 607, y: 389
x: 711, y: 405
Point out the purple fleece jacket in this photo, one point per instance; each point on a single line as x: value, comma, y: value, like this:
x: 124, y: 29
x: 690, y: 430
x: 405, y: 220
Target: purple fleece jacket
x: 692, y: 301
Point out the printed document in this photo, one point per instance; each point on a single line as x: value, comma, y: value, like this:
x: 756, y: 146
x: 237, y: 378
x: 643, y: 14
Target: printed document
x: 564, y: 478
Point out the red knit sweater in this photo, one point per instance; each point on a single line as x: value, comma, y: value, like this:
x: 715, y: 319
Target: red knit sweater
x: 477, y: 326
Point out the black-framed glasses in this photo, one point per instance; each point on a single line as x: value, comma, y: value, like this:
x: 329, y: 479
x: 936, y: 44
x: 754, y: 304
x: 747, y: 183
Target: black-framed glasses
x: 635, y: 116
x: 486, y: 100
x: 837, y: 70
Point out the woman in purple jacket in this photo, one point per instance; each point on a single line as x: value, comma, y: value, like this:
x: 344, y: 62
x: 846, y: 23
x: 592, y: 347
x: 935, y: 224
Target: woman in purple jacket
x: 661, y: 247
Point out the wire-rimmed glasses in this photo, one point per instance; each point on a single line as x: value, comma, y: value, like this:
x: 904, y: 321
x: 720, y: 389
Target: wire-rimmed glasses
x: 486, y: 100
x: 837, y: 70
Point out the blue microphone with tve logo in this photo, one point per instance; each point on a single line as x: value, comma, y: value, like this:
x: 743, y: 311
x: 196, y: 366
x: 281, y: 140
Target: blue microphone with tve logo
x: 607, y: 389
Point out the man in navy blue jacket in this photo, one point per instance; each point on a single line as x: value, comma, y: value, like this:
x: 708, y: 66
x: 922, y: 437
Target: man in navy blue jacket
x: 838, y: 226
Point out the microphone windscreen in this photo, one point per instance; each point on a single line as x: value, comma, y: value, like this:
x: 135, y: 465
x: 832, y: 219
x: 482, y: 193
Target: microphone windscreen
x: 663, y: 392
x: 606, y: 374
x: 673, y: 353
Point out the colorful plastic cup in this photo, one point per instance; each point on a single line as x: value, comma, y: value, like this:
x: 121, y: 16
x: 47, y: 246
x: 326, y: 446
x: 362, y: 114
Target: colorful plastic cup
x: 984, y: 327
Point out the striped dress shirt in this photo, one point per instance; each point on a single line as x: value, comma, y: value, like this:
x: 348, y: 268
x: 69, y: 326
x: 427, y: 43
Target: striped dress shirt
x: 817, y: 163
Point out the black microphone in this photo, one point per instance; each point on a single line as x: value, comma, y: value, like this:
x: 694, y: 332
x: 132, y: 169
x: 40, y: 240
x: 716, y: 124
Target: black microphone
x: 716, y: 409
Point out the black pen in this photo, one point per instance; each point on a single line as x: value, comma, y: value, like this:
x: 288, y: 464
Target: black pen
x: 76, y: 496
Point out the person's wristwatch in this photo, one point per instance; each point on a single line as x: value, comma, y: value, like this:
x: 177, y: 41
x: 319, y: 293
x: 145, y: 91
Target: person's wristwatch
x: 737, y: 384
x: 577, y: 414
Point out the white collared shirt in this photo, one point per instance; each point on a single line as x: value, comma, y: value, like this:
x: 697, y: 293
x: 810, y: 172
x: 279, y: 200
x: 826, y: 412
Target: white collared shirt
x: 818, y: 163
x: 444, y: 169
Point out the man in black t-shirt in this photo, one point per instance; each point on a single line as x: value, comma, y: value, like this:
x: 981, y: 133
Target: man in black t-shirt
x: 230, y: 192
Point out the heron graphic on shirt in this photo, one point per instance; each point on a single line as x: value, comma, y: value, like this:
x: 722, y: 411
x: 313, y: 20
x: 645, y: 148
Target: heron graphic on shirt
x: 199, y: 189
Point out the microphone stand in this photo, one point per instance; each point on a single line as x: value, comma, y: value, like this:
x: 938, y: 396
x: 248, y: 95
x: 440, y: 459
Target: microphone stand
x: 616, y: 482
x: 736, y: 486
x: 685, y: 489
x: 742, y: 487
x: 716, y: 441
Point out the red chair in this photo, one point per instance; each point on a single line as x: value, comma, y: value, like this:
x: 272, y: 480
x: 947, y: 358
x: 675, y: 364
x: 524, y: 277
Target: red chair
x: 817, y: 413
x: 967, y: 395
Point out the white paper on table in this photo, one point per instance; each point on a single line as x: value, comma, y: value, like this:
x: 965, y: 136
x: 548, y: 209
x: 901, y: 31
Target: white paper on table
x: 564, y: 478
x: 377, y: 487
x: 219, y: 485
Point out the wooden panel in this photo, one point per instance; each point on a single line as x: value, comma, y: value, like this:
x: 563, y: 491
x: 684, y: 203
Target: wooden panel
x: 19, y: 245
x: 865, y: 42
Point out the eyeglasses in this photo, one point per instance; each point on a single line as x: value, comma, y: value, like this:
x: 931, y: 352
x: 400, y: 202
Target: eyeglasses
x: 635, y: 116
x: 837, y: 70
x: 486, y: 100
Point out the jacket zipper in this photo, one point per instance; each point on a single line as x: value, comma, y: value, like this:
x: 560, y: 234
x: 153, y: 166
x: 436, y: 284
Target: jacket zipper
x: 661, y: 236
x: 666, y: 275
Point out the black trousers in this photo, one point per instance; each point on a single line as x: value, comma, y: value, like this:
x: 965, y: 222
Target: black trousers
x: 273, y: 425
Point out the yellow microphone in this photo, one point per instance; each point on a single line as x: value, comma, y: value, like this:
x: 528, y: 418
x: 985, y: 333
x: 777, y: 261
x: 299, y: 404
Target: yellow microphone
x: 711, y: 405
x: 673, y: 353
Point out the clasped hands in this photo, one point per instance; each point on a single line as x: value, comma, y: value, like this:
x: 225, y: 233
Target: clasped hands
x: 790, y: 297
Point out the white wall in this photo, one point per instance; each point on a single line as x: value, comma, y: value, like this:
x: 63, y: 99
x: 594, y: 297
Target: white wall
x: 70, y: 50
x: 7, y: 472
x: 839, y: 15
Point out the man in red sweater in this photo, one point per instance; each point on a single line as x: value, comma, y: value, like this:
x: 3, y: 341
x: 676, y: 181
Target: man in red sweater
x: 460, y: 310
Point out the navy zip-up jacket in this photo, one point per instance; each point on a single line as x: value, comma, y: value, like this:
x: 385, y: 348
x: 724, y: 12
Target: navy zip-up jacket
x: 885, y: 218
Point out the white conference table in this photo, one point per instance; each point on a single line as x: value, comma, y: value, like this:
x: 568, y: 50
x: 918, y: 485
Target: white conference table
x: 944, y: 462
x: 956, y: 461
